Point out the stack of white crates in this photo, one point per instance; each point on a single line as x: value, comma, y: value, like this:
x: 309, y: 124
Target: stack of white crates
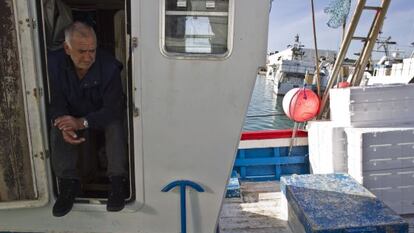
x: 373, y: 106
x: 382, y: 159
x: 372, y: 132
x: 327, y: 147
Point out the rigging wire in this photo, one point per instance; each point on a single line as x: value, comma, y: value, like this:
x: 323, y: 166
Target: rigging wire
x: 318, y: 81
x: 266, y: 115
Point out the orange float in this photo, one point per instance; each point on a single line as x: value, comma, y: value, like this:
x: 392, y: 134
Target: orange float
x: 301, y: 104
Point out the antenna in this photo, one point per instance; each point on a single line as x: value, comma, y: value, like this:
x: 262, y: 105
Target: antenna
x: 384, y: 43
x: 297, y: 51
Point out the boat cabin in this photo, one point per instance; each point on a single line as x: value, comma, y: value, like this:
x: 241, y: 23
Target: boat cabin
x: 189, y: 68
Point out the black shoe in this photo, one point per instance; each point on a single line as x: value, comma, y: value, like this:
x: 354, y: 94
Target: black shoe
x: 116, y: 196
x: 69, y: 189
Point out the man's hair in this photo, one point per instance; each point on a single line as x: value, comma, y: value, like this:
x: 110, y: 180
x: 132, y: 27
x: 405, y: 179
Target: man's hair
x: 81, y: 29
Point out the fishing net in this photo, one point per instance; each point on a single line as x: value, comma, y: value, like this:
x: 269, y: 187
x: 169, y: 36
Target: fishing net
x: 339, y: 10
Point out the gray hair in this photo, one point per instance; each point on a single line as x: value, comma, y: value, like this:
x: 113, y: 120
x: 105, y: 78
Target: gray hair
x: 82, y: 29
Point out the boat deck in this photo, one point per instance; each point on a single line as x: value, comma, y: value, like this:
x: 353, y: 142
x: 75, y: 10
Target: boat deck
x: 259, y: 210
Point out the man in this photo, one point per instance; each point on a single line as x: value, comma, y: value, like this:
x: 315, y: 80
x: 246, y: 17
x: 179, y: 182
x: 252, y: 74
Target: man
x: 86, y: 95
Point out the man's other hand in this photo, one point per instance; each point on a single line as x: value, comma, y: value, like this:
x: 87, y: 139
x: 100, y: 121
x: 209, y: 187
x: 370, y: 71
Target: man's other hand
x: 70, y: 137
x: 69, y: 123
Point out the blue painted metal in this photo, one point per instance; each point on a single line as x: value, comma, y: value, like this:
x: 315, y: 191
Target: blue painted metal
x: 183, y: 184
x: 271, y: 163
x: 240, y: 156
x: 336, y: 203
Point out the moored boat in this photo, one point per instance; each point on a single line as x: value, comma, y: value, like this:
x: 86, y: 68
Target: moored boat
x: 289, y: 67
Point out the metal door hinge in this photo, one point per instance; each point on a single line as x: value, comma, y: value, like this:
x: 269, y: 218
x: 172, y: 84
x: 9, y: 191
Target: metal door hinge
x: 37, y: 92
x: 136, y: 112
x: 30, y: 23
x: 134, y: 42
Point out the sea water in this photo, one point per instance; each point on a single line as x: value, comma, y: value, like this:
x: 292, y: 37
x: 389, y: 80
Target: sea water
x: 265, y: 110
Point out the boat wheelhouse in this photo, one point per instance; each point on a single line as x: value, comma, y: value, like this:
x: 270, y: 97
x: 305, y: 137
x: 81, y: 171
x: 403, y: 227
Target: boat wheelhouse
x: 190, y: 67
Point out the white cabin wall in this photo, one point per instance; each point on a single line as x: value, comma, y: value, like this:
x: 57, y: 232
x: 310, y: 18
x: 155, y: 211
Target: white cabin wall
x: 193, y: 111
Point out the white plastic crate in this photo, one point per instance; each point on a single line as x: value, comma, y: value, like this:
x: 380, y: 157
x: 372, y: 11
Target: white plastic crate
x: 382, y: 159
x: 374, y: 149
x: 373, y: 106
x: 327, y: 147
x: 394, y: 187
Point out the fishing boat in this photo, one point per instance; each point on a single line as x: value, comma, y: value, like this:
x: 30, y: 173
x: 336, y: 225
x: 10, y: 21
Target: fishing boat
x: 392, y: 69
x: 183, y: 140
x: 289, y: 67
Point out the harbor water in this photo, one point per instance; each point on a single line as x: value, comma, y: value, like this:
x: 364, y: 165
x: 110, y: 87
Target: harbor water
x: 265, y: 110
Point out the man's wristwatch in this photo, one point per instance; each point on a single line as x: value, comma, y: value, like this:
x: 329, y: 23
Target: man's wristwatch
x: 85, y: 123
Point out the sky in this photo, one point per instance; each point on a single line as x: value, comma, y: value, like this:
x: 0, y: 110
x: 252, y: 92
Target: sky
x: 291, y: 17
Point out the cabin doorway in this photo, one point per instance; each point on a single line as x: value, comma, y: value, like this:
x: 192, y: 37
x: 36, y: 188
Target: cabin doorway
x: 110, y: 19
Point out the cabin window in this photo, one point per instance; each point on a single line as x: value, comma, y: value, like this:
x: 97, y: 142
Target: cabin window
x: 196, y: 27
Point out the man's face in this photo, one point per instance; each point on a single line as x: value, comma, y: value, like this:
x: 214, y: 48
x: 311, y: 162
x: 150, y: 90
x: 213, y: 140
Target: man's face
x: 82, y: 51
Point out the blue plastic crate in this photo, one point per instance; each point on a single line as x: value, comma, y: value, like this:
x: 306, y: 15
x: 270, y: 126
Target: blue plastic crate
x: 336, y: 203
x: 233, y: 187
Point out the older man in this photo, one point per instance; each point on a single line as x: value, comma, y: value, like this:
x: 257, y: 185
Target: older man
x: 86, y: 95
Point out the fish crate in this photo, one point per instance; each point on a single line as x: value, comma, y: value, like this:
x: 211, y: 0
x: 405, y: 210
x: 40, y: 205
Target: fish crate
x: 233, y: 187
x: 327, y: 148
x: 336, y: 203
x: 372, y: 106
x: 258, y: 164
x: 382, y: 159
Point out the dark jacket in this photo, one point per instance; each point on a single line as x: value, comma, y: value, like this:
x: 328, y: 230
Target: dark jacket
x: 98, y: 96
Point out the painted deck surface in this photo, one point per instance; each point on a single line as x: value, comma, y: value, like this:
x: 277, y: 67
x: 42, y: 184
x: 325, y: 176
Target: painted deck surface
x: 259, y: 210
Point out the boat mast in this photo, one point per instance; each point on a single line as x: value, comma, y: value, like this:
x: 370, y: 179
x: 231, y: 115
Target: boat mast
x: 318, y: 84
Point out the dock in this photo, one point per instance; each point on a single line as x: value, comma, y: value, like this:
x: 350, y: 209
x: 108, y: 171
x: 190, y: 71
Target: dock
x: 258, y: 210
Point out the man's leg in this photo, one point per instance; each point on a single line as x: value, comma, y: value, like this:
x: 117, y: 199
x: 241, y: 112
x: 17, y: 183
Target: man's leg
x: 115, y: 146
x: 64, y: 157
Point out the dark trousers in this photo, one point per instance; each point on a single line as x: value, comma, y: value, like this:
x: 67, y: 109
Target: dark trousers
x: 65, y: 157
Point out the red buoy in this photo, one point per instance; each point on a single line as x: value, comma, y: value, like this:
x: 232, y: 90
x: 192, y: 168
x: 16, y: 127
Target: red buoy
x: 301, y: 104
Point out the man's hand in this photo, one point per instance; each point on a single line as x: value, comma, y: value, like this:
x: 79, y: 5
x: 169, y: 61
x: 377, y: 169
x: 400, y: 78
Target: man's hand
x: 69, y: 123
x: 70, y: 137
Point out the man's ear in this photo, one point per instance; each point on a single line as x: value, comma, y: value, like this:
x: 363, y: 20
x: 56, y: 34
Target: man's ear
x: 67, y: 48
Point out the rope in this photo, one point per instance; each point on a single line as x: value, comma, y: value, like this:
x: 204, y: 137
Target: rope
x: 295, y: 124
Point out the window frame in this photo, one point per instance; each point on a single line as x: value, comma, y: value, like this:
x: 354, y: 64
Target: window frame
x: 198, y: 56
